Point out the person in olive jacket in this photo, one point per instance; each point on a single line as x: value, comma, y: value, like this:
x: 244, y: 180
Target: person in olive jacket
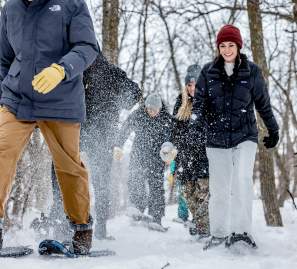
x: 228, y: 90
x: 45, y: 45
x: 191, y: 160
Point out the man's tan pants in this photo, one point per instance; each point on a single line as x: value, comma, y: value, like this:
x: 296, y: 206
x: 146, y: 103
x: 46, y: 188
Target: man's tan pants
x: 63, y: 141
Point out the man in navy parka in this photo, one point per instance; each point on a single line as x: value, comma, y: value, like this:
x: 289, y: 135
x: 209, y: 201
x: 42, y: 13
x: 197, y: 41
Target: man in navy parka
x: 45, y: 45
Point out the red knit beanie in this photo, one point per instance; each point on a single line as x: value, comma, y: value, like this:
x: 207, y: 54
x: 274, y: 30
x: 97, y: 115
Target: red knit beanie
x: 229, y: 33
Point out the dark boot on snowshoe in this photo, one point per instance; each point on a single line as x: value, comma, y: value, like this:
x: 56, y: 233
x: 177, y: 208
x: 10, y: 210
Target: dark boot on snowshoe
x: 82, y: 242
x: 158, y: 220
x: 198, y: 233
x: 245, y: 237
x: 193, y: 230
x: 214, y: 242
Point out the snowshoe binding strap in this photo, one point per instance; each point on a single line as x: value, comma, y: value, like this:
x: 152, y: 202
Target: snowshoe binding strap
x: 49, y: 247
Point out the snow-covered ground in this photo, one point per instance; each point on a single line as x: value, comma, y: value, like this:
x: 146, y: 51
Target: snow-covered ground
x: 139, y: 248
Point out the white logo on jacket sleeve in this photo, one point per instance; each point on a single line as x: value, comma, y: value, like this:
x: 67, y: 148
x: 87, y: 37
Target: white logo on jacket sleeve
x: 55, y: 8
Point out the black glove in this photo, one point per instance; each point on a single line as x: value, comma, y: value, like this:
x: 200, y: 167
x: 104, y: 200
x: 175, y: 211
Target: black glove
x: 271, y: 140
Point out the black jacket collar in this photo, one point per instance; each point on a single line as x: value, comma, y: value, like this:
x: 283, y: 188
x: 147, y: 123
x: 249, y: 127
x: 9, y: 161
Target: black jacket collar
x: 241, y: 68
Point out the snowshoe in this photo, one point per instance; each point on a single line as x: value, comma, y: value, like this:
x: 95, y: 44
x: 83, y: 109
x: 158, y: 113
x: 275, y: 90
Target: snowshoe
x: 15, y: 252
x: 52, y: 248
x: 137, y: 216
x: 179, y: 220
x: 201, y: 236
x: 154, y: 226
x: 214, y: 242
x: 142, y: 217
x: 245, y: 237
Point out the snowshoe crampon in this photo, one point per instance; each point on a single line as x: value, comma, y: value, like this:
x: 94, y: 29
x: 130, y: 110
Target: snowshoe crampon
x: 15, y: 252
x: 55, y: 248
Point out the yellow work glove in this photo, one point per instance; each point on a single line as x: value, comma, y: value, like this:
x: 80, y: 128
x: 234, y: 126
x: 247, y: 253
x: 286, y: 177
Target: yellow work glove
x: 48, y: 78
x: 170, y: 179
x: 118, y: 154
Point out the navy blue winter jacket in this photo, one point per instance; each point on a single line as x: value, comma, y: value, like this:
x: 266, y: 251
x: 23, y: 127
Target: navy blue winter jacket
x: 226, y: 104
x: 31, y: 39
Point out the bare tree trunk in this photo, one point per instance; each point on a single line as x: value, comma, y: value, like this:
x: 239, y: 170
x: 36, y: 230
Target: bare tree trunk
x: 294, y: 2
x: 233, y: 13
x: 145, y: 44
x: 171, y: 47
x: 267, y: 178
x: 284, y: 178
x: 137, y: 46
x: 284, y: 163
x: 110, y: 33
x: 110, y: 30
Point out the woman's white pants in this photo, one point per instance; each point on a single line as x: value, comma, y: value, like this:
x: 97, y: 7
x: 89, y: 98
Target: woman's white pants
x: 231, y: 188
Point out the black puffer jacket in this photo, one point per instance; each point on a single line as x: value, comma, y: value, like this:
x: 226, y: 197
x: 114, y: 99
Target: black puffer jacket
x: 191, y: 160
x: 108, y: 90
x: 226, y: 104
x: 150, y: 134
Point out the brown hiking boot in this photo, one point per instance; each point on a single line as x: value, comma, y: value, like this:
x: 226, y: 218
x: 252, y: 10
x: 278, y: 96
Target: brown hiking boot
x: 82, y: 242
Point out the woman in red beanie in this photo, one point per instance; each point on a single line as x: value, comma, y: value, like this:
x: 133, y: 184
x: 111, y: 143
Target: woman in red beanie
x: 227, y: 91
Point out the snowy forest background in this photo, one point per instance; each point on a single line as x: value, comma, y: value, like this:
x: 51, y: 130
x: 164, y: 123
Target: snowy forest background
x: 154, y: 41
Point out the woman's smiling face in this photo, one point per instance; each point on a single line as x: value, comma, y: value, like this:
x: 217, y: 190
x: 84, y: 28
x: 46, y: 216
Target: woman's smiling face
x: 229, y: 51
